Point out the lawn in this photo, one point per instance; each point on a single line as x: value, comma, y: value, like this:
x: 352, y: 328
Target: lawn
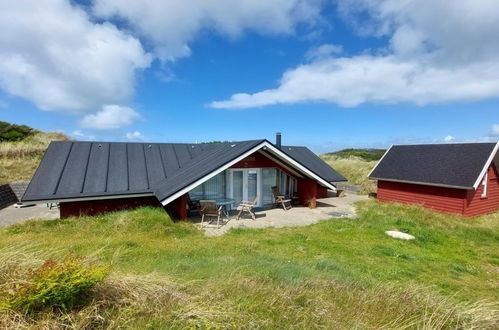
x: 339, y: 273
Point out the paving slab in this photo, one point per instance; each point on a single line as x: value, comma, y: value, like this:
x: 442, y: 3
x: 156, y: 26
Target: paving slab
x: 11, y: 214
x: 327, y: 208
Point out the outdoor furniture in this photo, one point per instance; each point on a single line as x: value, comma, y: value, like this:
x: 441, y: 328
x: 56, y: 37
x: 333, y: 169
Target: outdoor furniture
x: 281, y: 200
x: 209, y: 209
x: 193, y: 205
x: 226, y: 203
x: 247, y: 207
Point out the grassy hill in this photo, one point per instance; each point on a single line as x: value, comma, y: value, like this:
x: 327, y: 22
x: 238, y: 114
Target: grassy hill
x: 355, y: 165
x: 337, y: 274
x: 21, y: 153
x: 366, y: 154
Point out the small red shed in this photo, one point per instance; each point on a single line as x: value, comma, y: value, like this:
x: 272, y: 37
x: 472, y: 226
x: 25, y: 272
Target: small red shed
x: 457, y: 178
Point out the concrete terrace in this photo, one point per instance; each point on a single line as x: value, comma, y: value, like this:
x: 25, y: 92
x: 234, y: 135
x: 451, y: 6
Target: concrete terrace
x: 332, y: 207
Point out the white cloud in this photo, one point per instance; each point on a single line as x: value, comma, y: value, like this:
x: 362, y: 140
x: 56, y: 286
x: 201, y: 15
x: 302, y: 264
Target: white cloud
x: 495, y: 129
x: 428, y: 60
x: 170, y: 25
x: 135, y: 136
x: 449, y: 138
x: 323, y: 51
x: 79, y: 135
x: 59, y: 58
x: 110, y: 117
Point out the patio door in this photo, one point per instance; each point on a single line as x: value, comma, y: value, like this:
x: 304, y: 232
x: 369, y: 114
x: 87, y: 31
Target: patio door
x: 244, y: 185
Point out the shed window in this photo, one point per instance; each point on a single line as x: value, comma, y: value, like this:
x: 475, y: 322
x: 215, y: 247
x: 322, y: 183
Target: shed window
x: 484, y: 184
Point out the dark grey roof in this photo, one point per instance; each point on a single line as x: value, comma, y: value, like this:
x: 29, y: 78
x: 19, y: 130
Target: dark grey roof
x: 96, y: 169
x: 311, y: 161
x: 456, y: 165
x: 203, y: 166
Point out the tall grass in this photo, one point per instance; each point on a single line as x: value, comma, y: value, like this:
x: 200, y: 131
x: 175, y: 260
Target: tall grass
x: 355, y: 169
x: 19, y: 160
x: 339, y: 273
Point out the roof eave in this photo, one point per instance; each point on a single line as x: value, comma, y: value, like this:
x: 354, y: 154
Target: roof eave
x: 423, y: 183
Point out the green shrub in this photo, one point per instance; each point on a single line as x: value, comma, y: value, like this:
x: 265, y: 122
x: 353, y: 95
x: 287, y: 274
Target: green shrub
x: 13, y: 132
x: 53, y: 285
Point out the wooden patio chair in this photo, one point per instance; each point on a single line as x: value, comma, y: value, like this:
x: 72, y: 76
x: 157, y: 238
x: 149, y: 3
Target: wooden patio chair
x: 193, y: 205
x: 209, y: 209
x: 281, y: 200
x: 247, y: 207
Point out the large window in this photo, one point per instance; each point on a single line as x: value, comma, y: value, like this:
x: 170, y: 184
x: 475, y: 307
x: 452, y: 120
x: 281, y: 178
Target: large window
x: 212, y: 189
x: 269, y: 179
x: 275, y: 177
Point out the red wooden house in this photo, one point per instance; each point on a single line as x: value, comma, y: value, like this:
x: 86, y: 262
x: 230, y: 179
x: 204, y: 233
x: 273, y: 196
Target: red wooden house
x: 96, y: 177
x: 457, y: 178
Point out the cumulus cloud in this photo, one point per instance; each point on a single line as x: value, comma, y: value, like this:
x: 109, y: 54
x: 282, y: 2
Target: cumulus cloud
x: 170, y: 25
x: 428, y: 59
x: 495, y: 130
x: 449, y: 138
x: 54, y: 55
x: 110, y: 117
x: 135, y: 136
x: 79, y: 135
x: 323, y: 51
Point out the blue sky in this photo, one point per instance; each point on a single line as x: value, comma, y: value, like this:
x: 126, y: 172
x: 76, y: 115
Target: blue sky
x: 327, y: 74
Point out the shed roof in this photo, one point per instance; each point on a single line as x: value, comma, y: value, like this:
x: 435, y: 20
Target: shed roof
x: 85, y: 170
x: 456, y: 165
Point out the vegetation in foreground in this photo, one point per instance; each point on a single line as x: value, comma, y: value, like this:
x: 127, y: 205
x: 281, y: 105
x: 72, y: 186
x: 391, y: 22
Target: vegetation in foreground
x: 339, y: 273
x: 20, y: 158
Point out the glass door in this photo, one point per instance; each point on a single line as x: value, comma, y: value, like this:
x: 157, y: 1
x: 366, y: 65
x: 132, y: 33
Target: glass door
x: 237, y: 186
x: 252, y: 183
x: 245, y: 185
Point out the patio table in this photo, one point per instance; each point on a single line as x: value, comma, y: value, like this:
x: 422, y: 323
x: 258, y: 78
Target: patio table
x: 225, y: 203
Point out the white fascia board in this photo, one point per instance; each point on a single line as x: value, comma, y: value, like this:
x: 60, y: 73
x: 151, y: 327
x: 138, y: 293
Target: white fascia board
x: 279, y: 162
x: 264, y: 144
x: 82, y: 199
x: 211, y: 174
x: 299, y: 166
x: 486, y: 167
x: 379, y: 162
x: 423, y: 183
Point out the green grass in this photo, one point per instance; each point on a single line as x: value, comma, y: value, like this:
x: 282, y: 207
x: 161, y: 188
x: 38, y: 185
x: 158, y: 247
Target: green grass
x: 365, y: 154
x: 339, y: 273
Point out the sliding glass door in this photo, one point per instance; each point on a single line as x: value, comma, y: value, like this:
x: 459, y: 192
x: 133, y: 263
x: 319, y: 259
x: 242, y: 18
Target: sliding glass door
x: 244, y: 185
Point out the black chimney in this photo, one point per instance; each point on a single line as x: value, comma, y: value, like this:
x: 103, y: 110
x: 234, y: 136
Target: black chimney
x: 278, y: 140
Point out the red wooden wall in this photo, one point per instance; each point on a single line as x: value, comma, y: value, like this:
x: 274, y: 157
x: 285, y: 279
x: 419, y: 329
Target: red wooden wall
x: 94, y: 207
x: 446, y: 200
x: 258, y: 160
x: 475, y: 204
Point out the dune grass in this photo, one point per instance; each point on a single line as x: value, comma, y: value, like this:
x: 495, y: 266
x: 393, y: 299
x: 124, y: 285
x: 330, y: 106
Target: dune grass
x: 364, y: 154
x: 19, y: 159
x: 355, y: 169
x: 339, y: 273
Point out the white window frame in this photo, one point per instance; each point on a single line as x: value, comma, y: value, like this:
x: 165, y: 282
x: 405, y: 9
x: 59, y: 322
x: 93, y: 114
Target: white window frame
x: 484, y: 185
x: 230, y: 192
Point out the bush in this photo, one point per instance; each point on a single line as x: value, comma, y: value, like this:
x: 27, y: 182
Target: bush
x: 13, y: 132
x: 53, y: 285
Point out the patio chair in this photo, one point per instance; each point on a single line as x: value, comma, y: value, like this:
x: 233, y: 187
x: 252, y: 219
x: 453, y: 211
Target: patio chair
x: 192, y: 205
x: 209, y: 209
x: 247, y: 207
x: 281, y: 200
